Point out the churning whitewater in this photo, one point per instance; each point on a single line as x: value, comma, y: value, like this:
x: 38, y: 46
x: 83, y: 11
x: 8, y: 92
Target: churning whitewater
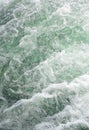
x: 44, y: 64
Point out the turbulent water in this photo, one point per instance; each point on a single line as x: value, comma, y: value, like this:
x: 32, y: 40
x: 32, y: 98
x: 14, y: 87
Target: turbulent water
x: 44, y: 64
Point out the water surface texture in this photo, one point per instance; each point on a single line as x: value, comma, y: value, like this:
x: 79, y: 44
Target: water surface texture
x: 44, y: 64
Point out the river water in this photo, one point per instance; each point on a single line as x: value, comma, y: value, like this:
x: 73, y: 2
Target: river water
x: 44, y: 64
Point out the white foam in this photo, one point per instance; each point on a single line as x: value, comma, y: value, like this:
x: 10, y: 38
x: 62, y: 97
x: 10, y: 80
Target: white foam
x: 4, y: 1
x: 66, y: 9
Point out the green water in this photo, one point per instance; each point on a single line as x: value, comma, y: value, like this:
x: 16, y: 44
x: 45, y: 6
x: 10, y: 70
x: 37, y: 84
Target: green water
x: 44, y: 65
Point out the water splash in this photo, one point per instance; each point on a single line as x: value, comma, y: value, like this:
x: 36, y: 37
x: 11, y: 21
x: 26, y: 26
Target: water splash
x: 44, y: 65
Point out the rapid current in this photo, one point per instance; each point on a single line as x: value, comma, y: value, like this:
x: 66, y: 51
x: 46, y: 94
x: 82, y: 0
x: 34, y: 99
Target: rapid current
x: 44, y: 64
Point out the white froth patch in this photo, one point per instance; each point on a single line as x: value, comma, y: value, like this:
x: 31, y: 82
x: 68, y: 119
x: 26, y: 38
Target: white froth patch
x: 64, y: 10
x: 86, y: 27
x: 80, y: 81
x: 27, y: 42
x: 36, y: 0
x: 41, y: 96
x: 4, y: 1
x: 55, y: 87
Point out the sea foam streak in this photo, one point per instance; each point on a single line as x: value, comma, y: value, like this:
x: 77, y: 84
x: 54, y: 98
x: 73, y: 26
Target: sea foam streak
x: 44, y: 65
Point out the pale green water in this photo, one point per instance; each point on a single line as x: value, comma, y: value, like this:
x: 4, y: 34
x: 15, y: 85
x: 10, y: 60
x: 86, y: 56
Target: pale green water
x: 44, y: 65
